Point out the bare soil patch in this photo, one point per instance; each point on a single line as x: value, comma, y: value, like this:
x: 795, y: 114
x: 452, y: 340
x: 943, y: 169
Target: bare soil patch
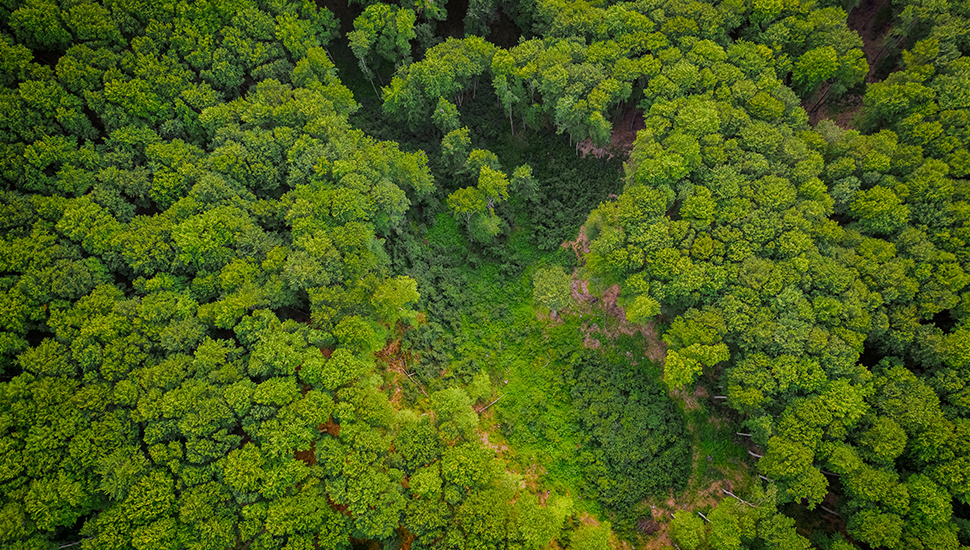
x: 580, y: 246
x: 499, y: 448
x: 865, y: 19
x: 590, y: 305
x: 662, y: 510
x: 595, y: 306
x: 690, y: 399
x: 621, y: 139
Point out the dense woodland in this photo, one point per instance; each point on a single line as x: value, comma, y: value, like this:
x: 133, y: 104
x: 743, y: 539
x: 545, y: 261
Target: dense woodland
x: 277, y: 274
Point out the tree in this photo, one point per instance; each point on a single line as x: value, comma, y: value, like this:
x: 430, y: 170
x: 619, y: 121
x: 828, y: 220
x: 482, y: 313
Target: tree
x: 454, y: 147
x: 591, y: 537
x: 876, y: 529
x: 642, y: 309
x: 683, y: 366
x: 445, y: 117
x: 884, y: 441
x: 468, y: 201
x: 536, y: 525
x: 454, y: 415
x: 551, y: 288
x: 448, y: 69
x: 204, y: 241
x: 39, y: 25
x: 879, y: 210
x: 494, y: 186
x: 384, y: 31
x: 687, y: 529
x: 524, y: 185
x: 393, y: 295
x: 813, y: 68
x: 725, y: 528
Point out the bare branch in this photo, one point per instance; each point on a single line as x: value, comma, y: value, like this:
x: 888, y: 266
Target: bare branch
x: 490, y: 404
x: 70, y: 544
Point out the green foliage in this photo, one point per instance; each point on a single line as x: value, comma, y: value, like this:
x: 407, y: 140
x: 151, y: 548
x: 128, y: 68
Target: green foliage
x: 814, y: 67
x: 455, y: 417
x: 446, y: 118
x: 392, y: 296
x: 879, y: 210
x: 201, y: 256
x: 551, y: 288
x: 687, y: 530
x: 382, y: 31
x: 591, y: 537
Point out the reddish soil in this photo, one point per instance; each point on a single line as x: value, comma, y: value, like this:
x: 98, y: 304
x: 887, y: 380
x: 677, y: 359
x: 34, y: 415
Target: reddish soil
x: 407, y: 538
x: 863, y: 20
x: 309, y: 456
x: 589, y: 304
x: 330, y: 427
x: 691, y: 399
x: 397, y: 370
x: 580, y: 247
x: 621, y: 141
x: 499, y: 448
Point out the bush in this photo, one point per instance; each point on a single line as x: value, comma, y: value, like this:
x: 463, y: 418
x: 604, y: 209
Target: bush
x: 635, y: 443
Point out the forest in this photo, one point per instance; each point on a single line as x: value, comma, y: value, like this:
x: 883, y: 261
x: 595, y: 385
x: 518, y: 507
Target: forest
x: 484, y: 274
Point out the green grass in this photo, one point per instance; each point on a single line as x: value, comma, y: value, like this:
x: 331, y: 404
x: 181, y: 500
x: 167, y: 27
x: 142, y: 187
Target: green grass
x: 714, y: 438
x: 536, y: 413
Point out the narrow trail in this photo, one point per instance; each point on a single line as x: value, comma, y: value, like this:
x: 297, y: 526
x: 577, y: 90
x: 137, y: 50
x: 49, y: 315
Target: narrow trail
x: 865, y: 19
x: 869, y: 19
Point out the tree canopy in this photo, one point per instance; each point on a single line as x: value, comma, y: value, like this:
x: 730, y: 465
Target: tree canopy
x: 251, y: 298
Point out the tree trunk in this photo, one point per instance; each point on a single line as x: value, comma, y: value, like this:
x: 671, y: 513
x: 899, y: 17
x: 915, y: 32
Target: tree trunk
x: 725, y: 491
x: 70, y: 544
x: 410, y: 377
x: 375, y: 89
x: 490, y: 404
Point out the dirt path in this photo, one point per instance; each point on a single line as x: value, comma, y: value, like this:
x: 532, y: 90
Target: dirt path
x: 866, y: 20
x: 870, y: 21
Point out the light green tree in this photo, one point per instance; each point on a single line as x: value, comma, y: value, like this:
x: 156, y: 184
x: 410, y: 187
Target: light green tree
x: 551, y: 288
x: 687, y: 530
